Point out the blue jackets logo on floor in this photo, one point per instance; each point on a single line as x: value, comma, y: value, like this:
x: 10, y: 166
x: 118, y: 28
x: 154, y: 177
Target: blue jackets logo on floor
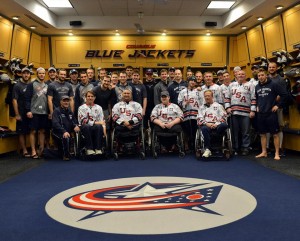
x: 151, y: 205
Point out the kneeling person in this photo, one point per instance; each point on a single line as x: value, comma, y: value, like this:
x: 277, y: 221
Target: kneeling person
x: 211, y: 117
x: 91, y: 118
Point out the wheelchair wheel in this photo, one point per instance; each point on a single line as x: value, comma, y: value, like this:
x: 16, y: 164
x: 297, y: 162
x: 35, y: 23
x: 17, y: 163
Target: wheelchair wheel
x: 142, y: 156
x: 115, y: 156
x: 181, y: 154
x: 153, y: 146
x: 198, y: 145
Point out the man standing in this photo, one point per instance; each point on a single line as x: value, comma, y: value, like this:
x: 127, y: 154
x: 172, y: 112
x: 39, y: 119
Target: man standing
x: 267, y: 92
x: 123, y: 85
x: 129, y: 72
x: 74, y: 79
x: 91, y: 76
x: 149, y: 84
x: 199, y: 78
x: 18, y: 100
x: 37, y: 111
x: 220, y: 77
x: 241, y: 104
x: 57, y: 89
x: 254, y: 79
x: 52, y: 75
x: 209, y: 84
x: 161, y: 86
x: 177, y: 86
x: 171, y: 75
x: 141, y: 92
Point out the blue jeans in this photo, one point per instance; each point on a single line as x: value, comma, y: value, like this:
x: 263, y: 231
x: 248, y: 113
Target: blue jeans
x: 206, y: 132
x: 241, y: 127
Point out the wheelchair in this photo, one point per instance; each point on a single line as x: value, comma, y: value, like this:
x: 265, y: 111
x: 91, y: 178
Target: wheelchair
x: 80, y: 150
x: 128, y: 142
x: 168, y: 141
x: 222, y: 144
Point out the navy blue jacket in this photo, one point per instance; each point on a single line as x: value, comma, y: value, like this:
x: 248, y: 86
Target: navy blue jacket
x: 63, y: 120
x: 266, y: 95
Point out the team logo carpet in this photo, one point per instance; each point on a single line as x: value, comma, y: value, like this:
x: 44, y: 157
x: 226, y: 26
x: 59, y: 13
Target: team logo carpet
x: 151, y: 205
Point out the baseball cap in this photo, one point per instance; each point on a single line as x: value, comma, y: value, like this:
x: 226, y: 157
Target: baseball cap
x: 220, y: 72
x: 51, y: 69
x: 64, y: 97
x: 237, y: 68
x: 172, y: 69
x: 73, y: 71
x: 164, y: 93
x: 255, y: 67
x: 149, y: 71
x: 25, y: 69
x: 193, y: 78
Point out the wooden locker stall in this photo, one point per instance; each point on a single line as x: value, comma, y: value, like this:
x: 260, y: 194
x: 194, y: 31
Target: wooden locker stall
x: 20, y: 44
x: 6, y: 30
x: 256, y: 43
x: 35, y: 50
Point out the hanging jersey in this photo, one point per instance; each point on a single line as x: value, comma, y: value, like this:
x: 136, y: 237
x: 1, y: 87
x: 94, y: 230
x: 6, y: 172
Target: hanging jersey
x: 166, y: 113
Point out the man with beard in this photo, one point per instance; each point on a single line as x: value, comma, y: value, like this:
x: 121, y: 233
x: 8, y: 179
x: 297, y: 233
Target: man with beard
x: 37, y: 111
x: 52, y: 73
x: 57, y: 89
x: 18, y: 100
x: 254, y: 79
x: 83, y: 87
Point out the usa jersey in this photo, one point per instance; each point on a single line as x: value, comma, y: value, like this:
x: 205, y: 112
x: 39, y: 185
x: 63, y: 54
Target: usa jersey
x: 241, y: 98
x: 190, y: 102
x: 126, y: 111
x: 166, y: 113
x: 214, y: 113
x: 88, y: 115
x: 217, y: 92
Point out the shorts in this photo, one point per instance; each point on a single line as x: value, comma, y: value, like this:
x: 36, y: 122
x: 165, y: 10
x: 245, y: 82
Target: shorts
x: 38, y: 122
x: 267, y: 123
x: 22, y: 127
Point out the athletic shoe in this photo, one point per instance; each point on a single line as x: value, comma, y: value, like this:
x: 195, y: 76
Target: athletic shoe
x: 245, y: 152
x: 90, y: 152
x: 207, y: 153
x: 98, y: 152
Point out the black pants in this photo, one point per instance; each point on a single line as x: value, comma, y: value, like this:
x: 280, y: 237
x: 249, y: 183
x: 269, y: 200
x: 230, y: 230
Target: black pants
x: 93, y: 136
x: 63, y: 144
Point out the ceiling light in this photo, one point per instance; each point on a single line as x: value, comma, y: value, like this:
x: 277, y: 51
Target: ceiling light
x: 70, y: 34
x: 208, y: 34
x: 221, y: 4
x: 278, y: 7
x: 33, y: 27
x: 243, y: 27
x: 58, y: 3
x: 117, y: 34
x: 260, y: 18
x: 164, y: 34
x: 15, y: 17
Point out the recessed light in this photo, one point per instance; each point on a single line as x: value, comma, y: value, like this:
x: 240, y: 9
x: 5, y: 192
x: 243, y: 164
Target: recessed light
x: 260, y: 18
x: 70, y: 34
x: 221, y: 4
x: 15, y: 17
x: 58, y: 3
x: 208, y: 34
x: 278, y: 7
x: 117, y: 34
x: 33, y: 27
x: 243, y: 27
x: 164, y: 33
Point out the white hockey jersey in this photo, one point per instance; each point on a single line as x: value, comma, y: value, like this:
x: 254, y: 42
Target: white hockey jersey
x: 89, y: 114
x: 126, y: 111
x: 241, y: 98
x: 166, y: 113
x: 190, y: 102
x: 214, y: 113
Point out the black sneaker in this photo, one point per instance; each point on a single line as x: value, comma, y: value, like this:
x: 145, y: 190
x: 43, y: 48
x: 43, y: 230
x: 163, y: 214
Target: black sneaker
x: 245, y: 153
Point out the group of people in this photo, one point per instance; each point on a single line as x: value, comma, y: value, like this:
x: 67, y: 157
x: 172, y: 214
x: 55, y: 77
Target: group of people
x: 123, y: 100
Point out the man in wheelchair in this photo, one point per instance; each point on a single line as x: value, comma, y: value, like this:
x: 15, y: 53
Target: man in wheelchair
x: 64, y: 124
x: 211, y: 120
x: 127, y: 117
x: 91, y: 119
x: 167, y: 118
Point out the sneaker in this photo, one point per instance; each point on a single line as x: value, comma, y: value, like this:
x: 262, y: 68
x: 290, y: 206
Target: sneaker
x: 98, y: 152
x: 90, y: 152
x: 207, y: 153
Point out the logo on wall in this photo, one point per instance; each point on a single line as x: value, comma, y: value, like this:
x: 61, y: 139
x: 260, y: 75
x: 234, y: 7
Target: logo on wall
x: 150, y: 205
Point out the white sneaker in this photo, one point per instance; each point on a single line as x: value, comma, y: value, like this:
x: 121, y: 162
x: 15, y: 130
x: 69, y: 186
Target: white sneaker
x: 98, y: 152
x: 90, y: 152
x: 207, y: 153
